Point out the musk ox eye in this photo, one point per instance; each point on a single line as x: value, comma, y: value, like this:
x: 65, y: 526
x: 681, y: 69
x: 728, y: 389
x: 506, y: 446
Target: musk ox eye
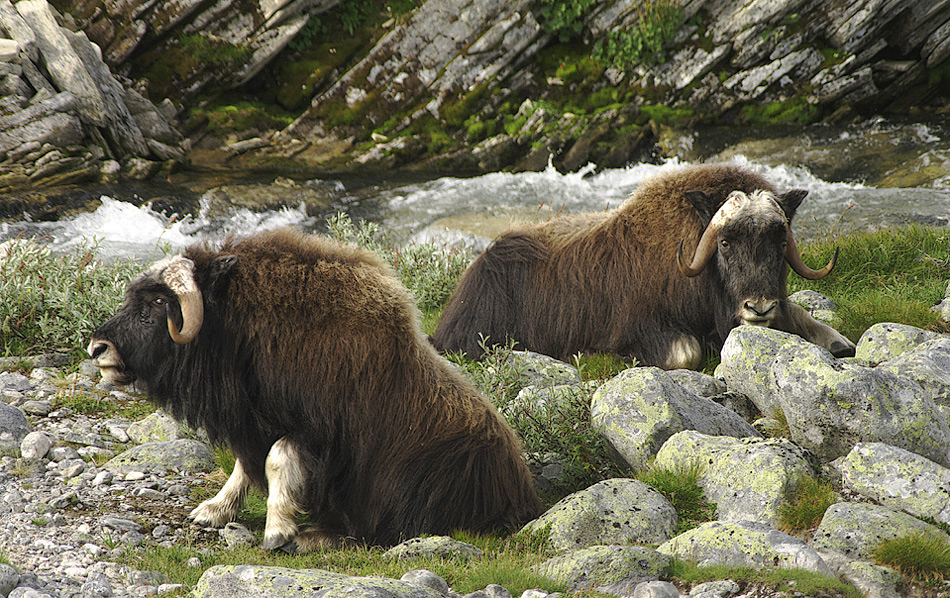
x: 160, y: 301
x: 723, y: 244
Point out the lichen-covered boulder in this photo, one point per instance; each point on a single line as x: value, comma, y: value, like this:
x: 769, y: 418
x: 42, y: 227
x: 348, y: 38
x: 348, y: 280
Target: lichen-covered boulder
x: 927, y: 364
x: 640, y: 408
x: 606, y: 569
x: 542, y: 371
x: 615, y: 511
x: 698, y: 383
x: 158, y: 427
x: 871, y: 580
x: 747, y: 478
x: 831, y: 405
x: 898, y: 479
x: 228, y: 581
x: 746, y: 361
x: 820, y: 307
x: 855, y: 530
x: 440, y: 547
x: 886, y: 341
x: 159, y: 457
x: 743, y: 544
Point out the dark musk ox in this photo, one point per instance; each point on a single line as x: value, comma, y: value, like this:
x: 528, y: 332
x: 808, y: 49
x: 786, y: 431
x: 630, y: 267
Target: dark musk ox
x: 306, y: 358
x: 620, y: 281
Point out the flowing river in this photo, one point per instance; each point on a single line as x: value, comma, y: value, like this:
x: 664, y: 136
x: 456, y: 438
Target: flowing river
x: 878, y: 174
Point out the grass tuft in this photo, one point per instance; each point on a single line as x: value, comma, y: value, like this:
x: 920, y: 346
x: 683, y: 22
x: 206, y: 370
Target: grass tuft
x: 680, y: 485
x: 919, y: 556
x: 806, y: 505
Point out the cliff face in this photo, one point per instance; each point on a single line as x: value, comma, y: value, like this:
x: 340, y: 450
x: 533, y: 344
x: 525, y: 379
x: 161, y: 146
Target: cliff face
x: 459, y: 84
x: 728, y: 61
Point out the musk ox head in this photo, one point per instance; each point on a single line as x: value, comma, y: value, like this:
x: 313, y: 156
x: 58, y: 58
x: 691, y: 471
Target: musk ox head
x: 749, y: 240
x: 162, y: 307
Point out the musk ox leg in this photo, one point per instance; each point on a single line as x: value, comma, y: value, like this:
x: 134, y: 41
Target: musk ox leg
x: 224, y: 507
x: 285, y: 482
x: 801, y: 322
x: 686, y: 352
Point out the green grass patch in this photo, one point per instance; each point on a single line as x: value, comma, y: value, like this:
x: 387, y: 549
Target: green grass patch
x: 918, y: 556
x: 893, y: 275
x: 680, y: 486
x: 806, y: 505
x: 506, y: 561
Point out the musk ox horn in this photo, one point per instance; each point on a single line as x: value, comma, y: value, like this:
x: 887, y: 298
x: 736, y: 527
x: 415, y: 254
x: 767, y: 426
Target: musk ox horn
x: 794, y: 259
x: 704, y: 252
x: 180, y: 278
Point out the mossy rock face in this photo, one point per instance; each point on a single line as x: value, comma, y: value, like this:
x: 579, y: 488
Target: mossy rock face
x: 857, y: 529
x: 615, y: 511
x: 743, y: 544
x: 234, y: 581
x: 831, y: 405
x: 747, y: 478
x: 607, y: 569
x: 159, y: 457
x: 898, y: 479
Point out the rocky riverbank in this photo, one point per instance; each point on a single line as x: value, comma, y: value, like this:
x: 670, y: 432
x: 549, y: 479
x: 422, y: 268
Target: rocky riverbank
x: 86, y: 476
x: 94, y: 89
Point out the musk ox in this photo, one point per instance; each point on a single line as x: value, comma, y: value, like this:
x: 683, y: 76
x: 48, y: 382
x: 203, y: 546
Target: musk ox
x: 306, y: 358
x: 620, y: 282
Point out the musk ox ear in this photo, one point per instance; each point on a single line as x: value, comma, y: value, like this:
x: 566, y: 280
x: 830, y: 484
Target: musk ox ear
x: 790, y: 200
x: 701, y: 203
x: 218, y: 271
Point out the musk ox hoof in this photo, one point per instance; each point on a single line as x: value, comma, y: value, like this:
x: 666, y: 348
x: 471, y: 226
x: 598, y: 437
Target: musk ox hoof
x: 211, y: 514
x: 839, y: 349
x: 280, y: 542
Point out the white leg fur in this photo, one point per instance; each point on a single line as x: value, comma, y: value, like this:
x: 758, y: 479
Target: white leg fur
x: 801, y: 322
x: 686, y: 352
x: 224, y: 507
x: 284, y: 485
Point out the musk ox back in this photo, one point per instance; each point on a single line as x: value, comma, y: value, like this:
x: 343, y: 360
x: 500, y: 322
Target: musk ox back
x: 306, y: 358
x: 620, y: 281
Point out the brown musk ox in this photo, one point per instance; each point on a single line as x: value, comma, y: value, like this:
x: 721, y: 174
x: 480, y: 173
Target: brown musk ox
x: 306, y: 358
x: 619, y: 281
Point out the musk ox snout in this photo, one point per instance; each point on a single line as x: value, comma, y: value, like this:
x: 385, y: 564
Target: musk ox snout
x: 758, y: 311
x: 106, y: 357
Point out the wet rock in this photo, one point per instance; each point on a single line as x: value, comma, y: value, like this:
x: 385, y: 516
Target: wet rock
x: 746, y: 478
x: 613, y: 511
x: 606, y: 569
x: 639, y: 409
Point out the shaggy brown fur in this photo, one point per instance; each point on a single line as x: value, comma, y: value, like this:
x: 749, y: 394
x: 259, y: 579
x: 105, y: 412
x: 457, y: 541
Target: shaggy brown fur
x: 319, y: 343
x: 601, y: 282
